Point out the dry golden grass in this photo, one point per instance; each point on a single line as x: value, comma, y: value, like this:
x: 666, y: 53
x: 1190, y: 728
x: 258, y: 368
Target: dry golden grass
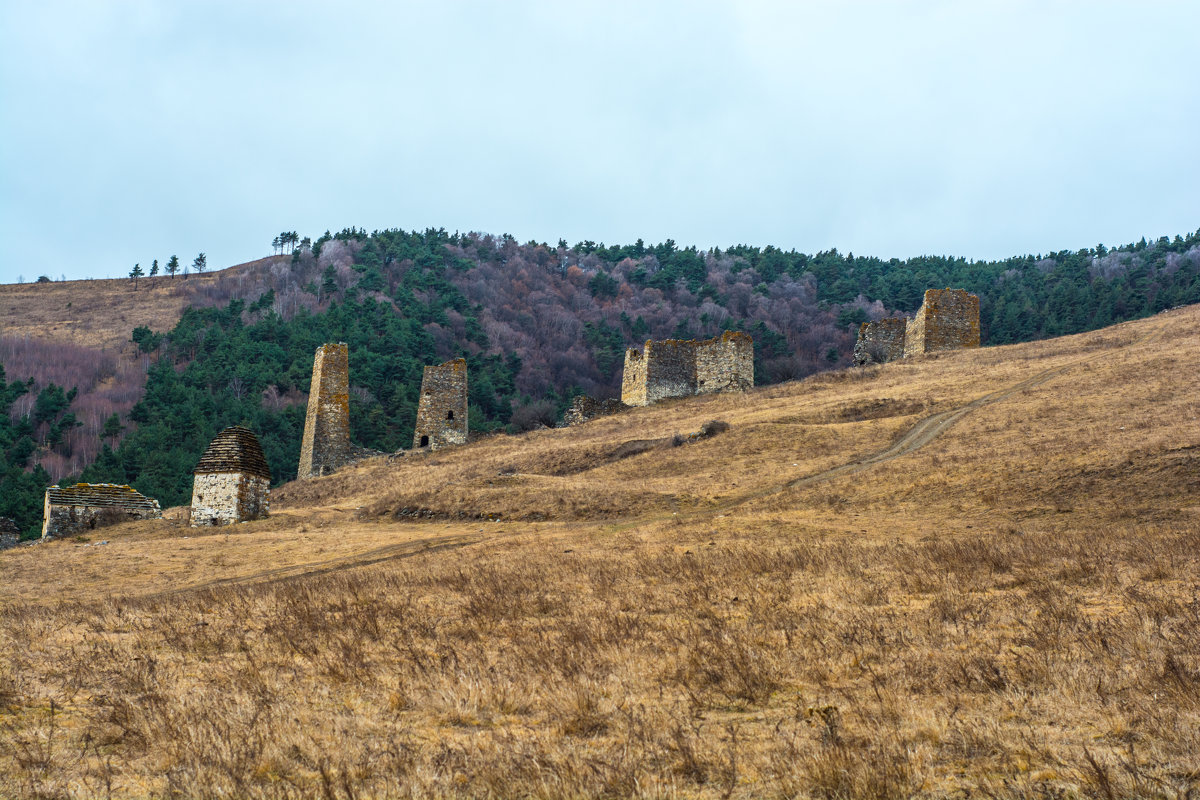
x: 101, y: 313
x: 1006, y: 605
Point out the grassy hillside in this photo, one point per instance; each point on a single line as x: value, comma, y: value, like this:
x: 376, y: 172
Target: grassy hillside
x: 967, y: 573
x: 77, y: 335
x: 100, y: 314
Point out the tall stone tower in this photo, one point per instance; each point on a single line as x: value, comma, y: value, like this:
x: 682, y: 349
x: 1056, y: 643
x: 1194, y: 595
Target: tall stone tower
x: 948, y: 319
x: 326, y: 443
x: 442, y: 411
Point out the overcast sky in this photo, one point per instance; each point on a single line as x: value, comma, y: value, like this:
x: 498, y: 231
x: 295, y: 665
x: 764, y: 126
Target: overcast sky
x: 133, y: 130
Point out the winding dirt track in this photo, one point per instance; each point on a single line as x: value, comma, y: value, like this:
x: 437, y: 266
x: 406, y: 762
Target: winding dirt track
x: 928, y: 429
x: 921, y: 434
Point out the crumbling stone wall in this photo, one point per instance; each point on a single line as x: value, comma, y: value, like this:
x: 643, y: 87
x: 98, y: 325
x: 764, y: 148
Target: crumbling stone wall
x: 442, y: 410
x: 725, y: 364
x: 10, y: 534
x: 679, y: 368
x: 584, y: 408
x: 83, y: 507
x: 233, y: 480
x: 947, y: 320
x: 881, y: 341
x: 326, y: 443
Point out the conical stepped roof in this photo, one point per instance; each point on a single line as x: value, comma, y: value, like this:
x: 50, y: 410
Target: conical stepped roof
x: 235, y: 449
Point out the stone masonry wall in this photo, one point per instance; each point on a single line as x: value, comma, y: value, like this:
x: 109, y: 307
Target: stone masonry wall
x: 725, y: 364
x: 679, y: 368
x: 880, y: 342
x: 227, y: 498
x: 947, y: 320
x: 633, y: 378
x: 670, y: 369
x: 326, y: 443
x: 442, y: 411
x: 584, y: 409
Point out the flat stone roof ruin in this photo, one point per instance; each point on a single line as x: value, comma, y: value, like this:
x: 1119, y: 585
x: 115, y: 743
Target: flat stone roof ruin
x: 85, y: 506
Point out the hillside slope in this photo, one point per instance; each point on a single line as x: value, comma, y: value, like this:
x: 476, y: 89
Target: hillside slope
x: 537, y: 323
x: 101, y: 313
x: 77, y: 335
x: 974, y: 572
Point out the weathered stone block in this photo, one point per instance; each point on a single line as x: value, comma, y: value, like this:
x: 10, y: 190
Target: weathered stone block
x: 83, y: 507
x: 880, y: 342
x: 679, y: 368
x: 326, y: 443
x: 442, y: 410
x: 947, y: 320
x: 584, y: 408
x: 233, y: 480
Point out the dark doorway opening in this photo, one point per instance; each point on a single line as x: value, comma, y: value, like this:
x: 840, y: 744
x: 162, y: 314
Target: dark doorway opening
x: 450, y: 414
x: 424, y: 441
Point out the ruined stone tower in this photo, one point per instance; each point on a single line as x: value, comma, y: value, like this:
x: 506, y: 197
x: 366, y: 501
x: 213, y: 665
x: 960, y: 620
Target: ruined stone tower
x: 947, y: 320
x: 326, y: 443
x: 442, y: 411
x: 233, y: 481
x: 880, y: 342
x: 679, y: 368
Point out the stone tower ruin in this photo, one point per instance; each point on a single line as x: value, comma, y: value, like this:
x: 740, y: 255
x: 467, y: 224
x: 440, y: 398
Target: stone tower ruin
x: 680, y: 368
x: 442, y: 410
x: 947, y: 320
x: 326, y: 443
x: 233, y: 481
x: 880, y: 342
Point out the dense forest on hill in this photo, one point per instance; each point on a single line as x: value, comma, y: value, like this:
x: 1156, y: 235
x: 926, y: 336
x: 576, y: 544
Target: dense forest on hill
x: 537, y: 323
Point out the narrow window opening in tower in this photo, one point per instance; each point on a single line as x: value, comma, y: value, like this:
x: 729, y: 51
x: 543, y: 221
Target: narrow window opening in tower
x: 450, y: 414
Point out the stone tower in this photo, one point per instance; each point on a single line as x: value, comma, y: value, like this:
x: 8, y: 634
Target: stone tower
x: 947, y: 320
x: 442, y: 412
x: 326, y: 443
x: 233, y: 481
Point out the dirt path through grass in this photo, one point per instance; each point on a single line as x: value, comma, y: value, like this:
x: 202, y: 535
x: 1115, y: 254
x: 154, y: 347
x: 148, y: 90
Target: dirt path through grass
x: 921, y: 434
